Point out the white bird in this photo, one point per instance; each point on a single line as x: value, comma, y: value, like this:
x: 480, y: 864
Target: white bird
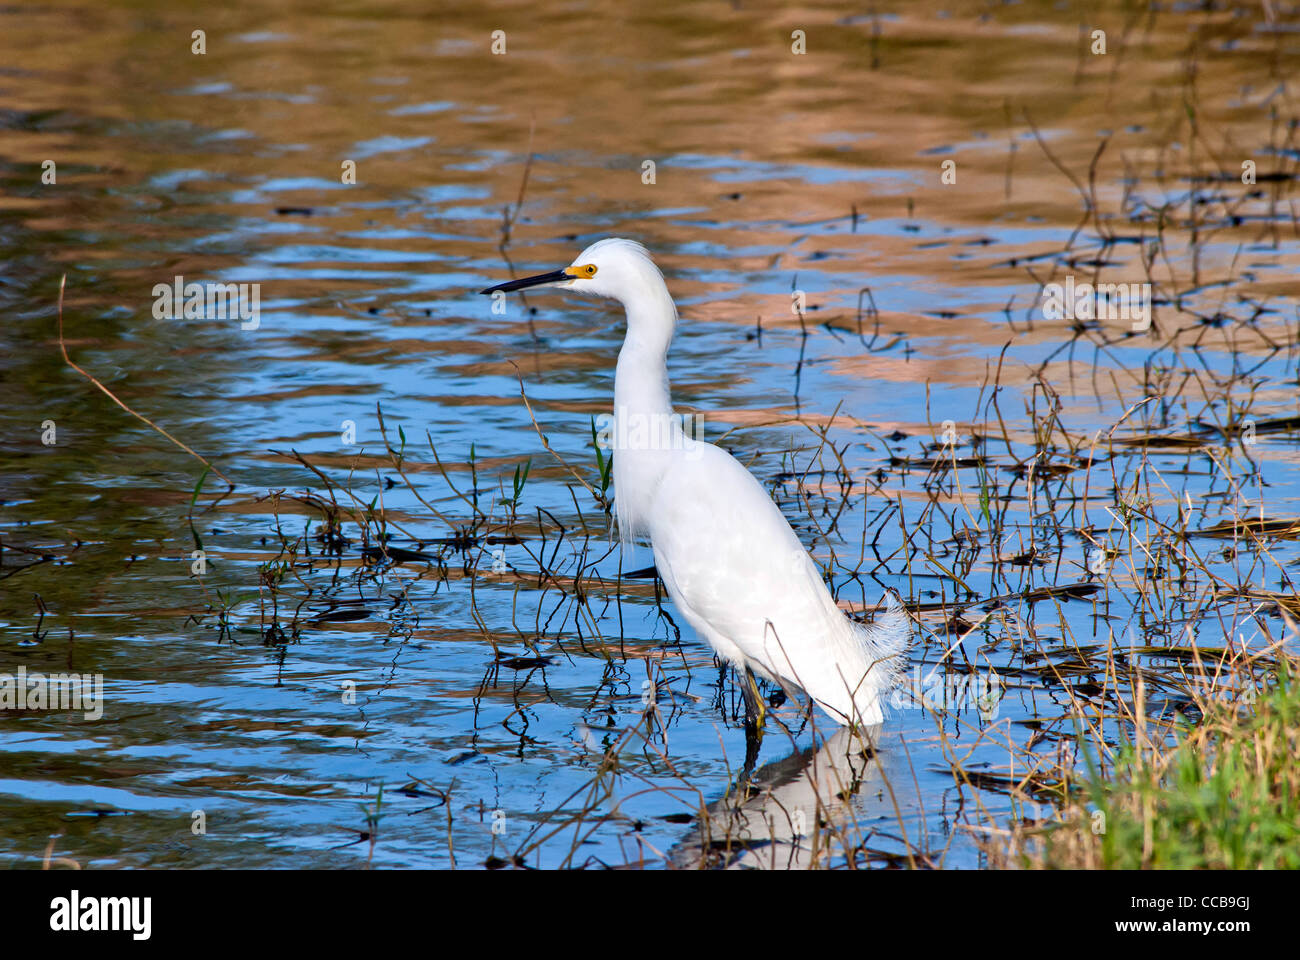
x: 732, y: 565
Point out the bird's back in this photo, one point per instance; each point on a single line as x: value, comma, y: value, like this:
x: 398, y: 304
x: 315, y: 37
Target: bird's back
x: 740, y: 576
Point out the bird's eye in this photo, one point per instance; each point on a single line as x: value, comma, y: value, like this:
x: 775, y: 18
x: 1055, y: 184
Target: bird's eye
x: 589, y: 270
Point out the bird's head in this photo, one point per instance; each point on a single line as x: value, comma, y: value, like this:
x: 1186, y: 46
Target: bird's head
x: 615, y: 268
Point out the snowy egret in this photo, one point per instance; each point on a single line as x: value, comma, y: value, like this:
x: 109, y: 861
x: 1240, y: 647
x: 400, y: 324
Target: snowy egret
x: 732, y: 565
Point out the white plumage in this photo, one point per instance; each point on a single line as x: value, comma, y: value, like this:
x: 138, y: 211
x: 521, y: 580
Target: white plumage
x: 732, y: 565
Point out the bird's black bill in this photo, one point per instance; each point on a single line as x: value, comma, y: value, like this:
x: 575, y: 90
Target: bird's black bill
x: 555, y: 276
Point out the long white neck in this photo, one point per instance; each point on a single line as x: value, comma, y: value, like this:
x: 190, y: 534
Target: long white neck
x: 641, y: 381
x: 645, y: 430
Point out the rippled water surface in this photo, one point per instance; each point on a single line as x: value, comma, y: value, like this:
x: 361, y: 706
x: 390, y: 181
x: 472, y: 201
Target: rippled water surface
x: 327, y: 699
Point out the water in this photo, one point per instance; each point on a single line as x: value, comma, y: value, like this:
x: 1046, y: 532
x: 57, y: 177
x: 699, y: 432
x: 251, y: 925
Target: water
x: 271, y: 703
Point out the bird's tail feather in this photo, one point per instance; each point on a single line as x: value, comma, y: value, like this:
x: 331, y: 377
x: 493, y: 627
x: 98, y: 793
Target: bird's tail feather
x: 883, y: 644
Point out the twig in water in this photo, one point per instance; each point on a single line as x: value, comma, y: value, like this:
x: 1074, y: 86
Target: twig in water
x: 109, y: 393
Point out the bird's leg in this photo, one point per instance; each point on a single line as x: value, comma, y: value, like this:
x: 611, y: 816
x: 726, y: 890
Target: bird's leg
x: 754, y: 716
x: 745, y: 780
x: 755, y: 711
